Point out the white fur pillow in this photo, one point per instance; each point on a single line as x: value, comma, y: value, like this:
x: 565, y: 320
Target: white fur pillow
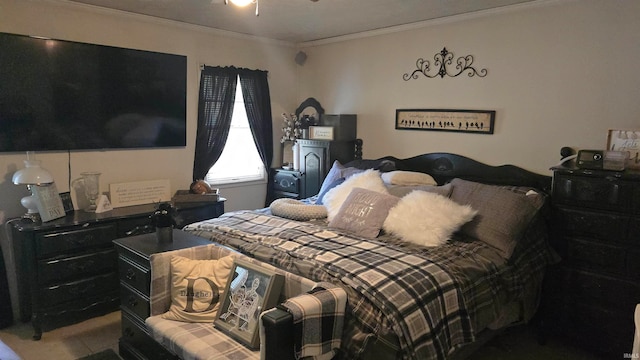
x: 426, y: 218
x: 369, y: 179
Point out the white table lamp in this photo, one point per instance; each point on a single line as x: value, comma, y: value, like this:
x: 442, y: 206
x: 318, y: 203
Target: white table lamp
x: 31, y: 175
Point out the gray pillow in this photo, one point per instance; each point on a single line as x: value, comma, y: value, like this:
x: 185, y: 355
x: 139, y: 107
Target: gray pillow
x: 503, y: 215
x: 402, y: 190
x: 364, y: 212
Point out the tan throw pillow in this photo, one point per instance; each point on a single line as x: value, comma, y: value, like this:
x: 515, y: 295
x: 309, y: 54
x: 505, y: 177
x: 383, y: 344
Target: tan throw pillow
x: 400, y: 177
x: 364, y: 212
x: 197, y: 287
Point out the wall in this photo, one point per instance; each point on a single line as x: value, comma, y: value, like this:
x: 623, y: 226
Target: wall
x: 560, y: 73
x: 90, y: 24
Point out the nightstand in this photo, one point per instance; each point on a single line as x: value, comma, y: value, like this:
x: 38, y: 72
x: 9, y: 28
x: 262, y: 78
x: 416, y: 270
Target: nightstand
x: 287, y: 184
x: 596, y: 223
x: 134, y: 267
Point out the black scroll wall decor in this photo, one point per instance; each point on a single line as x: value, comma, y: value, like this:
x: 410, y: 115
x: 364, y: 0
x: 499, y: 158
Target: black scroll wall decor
x: 444, y: 60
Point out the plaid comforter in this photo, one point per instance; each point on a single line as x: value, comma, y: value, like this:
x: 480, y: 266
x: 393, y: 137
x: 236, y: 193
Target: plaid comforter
x: 431, y: 299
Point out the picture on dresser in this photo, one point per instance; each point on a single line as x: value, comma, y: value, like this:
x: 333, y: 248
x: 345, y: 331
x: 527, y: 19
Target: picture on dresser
x: 626, y: 140
x: 250, y: 290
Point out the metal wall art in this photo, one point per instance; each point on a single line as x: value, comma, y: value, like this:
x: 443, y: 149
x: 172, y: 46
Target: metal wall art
x: 443, y: 60
x: 468, y: 121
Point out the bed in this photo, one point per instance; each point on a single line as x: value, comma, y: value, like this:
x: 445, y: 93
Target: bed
x: 408, y: 299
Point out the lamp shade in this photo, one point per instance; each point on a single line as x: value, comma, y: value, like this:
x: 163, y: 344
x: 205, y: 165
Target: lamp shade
x: 32, y: 174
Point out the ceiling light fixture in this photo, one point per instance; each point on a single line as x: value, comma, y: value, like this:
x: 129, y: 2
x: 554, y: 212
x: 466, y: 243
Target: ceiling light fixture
x: 243, y: 3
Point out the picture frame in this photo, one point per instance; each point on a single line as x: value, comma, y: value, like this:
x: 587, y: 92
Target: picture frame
x: 250, y: 290
x: 464, y: 121
x: 49, y: 203
x: 67, y: 203
x: 321, y: 132
x: 625, y: 140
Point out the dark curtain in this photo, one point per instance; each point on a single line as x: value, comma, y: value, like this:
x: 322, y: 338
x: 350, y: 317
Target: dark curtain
x: 257, y: 101
x: 215, y: 108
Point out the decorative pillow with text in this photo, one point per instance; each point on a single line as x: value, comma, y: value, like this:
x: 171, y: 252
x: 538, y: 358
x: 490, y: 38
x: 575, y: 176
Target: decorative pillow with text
x: 364, y: 212
x: 197, y: 287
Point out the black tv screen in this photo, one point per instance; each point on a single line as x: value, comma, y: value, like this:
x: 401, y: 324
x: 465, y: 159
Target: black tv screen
x: 63, y: 95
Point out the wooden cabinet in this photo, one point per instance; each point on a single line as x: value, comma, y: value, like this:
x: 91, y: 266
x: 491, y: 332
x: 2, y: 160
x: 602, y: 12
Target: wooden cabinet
x: 596, y: 216
x: 316, y: 158
x: 66, y: 268
x: 134, y: 265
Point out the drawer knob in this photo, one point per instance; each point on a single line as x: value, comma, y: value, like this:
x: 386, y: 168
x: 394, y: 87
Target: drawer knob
x: 131, y: 274
x: 128, y: 332
x: 132, y: 301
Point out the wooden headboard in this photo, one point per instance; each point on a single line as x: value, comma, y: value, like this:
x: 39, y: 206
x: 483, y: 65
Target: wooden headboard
x: 444, y: 167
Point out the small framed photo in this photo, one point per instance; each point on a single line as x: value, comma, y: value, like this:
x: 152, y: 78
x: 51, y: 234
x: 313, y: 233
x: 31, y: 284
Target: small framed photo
x: 250, y: 290
x: 67, y: 203
x: 625, y: 140
x: 321, y: 132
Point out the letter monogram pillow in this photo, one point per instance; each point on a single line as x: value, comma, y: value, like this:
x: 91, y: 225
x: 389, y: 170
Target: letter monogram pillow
x: 196, y: 288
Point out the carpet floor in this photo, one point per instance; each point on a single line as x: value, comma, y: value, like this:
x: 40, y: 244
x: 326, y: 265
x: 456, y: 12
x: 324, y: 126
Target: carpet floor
x: 107, y: 354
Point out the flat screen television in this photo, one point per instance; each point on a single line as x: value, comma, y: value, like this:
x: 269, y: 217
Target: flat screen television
x: 64, y: 95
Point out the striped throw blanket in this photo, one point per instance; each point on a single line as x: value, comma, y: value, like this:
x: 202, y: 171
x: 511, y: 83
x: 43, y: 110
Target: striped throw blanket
x: 318, y: 318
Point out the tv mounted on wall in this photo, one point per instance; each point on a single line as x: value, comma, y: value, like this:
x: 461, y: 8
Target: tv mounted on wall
x: 64, y: 95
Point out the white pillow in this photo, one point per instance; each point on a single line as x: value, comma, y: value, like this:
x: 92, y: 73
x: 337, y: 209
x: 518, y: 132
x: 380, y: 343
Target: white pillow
x: 400, y: 177
x: 426, y: 218
x: 368, y: 179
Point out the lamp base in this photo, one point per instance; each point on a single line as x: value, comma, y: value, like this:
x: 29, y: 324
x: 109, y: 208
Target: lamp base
x: 34, y: 217
x: 31, y: 204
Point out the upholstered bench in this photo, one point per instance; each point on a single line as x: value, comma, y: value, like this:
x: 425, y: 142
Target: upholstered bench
x: 202, y: 340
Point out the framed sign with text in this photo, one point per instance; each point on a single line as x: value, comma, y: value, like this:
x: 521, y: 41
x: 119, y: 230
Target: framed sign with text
x: 467, y: 121
x: 49, y: 203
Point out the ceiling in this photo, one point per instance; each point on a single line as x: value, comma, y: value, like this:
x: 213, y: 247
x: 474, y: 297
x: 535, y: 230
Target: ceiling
x: 299, y: 21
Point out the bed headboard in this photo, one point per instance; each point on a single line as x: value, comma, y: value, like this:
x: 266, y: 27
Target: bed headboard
x: 444, y: 167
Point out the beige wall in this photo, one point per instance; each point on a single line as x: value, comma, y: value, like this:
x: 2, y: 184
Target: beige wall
x: 201, y: 46
x: 560, y: 73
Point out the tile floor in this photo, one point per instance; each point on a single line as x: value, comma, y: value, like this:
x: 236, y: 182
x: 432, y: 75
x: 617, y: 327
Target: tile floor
x: 97, y: 334
x: 66, y: 343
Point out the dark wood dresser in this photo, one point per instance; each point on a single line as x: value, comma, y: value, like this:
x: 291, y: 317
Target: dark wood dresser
x: 596, y: 219
x: 134, y: 265
x: 67, y: 268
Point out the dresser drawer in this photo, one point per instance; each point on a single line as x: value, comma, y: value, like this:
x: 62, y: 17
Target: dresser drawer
x: 135, y: 302
x: 135, y: 226
x: 600, y: 330
x: 601, y: 291
x: 596, y: 256
x: 286, y: 182
x: 599, y: 225
x: 138, y: 340
x: 52, y: 270
x: 134, y: 275
x: 597, y: 193
x: 75, y: 239
x: 185, y: 216
x: 63, y: 292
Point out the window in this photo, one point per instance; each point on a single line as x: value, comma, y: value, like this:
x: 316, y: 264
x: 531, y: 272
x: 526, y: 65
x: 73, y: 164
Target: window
x: 240, y: 161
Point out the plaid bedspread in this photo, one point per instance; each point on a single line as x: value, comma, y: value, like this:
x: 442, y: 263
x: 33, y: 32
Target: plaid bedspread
x: 431, y: 299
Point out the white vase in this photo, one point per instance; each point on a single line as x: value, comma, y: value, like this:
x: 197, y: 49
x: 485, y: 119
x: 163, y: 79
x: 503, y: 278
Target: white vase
x: 296, y: 156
